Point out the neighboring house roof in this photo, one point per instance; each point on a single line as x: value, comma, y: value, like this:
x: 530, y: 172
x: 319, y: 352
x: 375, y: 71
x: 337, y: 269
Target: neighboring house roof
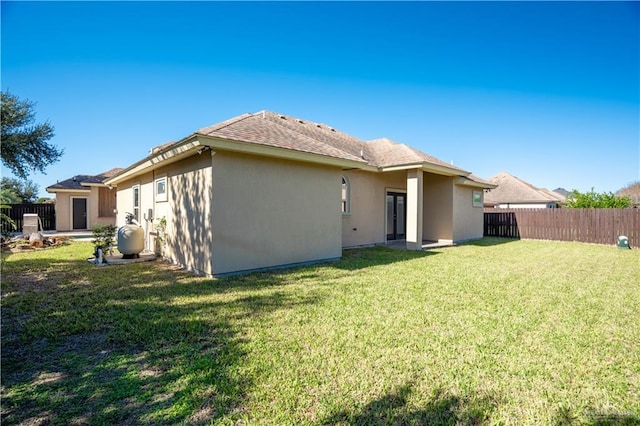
x: 562, y: 192
x: 83, y: 182
x: 298, y: 137
x: 512, y: 190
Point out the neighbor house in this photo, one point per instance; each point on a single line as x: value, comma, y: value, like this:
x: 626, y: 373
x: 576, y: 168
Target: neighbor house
x: 514, y: 193
x: 84, y: 201
x: 265, y: 190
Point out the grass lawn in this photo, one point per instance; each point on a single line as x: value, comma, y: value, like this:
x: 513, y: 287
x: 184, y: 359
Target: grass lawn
x: 492, y: 332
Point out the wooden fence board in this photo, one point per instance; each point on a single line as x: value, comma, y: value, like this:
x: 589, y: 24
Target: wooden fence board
x: 597, y: 226
x: 46, y: 213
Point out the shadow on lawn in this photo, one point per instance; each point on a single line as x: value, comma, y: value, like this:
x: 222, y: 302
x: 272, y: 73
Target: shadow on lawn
x: 393, y: 409
x: 490, y: 241
x: 111, y: 345
x: 591, y: 417
x: 362, y: 258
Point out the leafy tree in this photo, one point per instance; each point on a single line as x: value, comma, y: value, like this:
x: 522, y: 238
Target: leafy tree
x: 594, y: 200
x: 7, y: 196
x: 24, y: 145
x: 25, y: 190
x: 5, y: 218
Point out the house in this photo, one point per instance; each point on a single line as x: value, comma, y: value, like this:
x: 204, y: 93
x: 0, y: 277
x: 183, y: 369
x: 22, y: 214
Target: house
x: 266, y: 190
x: 84, y: 201
x: 514, y: 193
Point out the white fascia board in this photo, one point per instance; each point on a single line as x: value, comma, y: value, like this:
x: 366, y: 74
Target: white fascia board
x: 89, y: 185
x: 427, y: 167
x: 462, y: 181
x: 54, y: 190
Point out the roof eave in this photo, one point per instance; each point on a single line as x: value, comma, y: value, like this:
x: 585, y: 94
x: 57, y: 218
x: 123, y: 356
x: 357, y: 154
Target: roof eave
x: 54, y: 190
x: 427, y: 167
x: 98, y: 184
x: 171, y: 154
x: 463, y: 181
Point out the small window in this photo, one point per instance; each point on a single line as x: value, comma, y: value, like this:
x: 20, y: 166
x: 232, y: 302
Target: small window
x: 477, y: 198
x: 161, y: 189
x: 136, y: 203
x: 346, y: 196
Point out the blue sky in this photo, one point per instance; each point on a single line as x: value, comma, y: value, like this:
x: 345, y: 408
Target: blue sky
x: 547, y: 91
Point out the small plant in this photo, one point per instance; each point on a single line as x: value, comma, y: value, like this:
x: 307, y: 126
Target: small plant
x: 103, y: 238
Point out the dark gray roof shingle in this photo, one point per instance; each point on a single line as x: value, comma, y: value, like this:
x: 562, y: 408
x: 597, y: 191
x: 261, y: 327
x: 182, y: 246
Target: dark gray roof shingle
x: 81, y: 182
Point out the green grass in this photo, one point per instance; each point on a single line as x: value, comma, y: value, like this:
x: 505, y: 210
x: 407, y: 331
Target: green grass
x: 492, y: 332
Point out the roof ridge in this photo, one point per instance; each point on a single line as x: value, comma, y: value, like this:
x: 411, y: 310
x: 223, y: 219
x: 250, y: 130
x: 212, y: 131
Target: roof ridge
x: 322, y: 127
x: 319, y: 125
x: 225, y: 123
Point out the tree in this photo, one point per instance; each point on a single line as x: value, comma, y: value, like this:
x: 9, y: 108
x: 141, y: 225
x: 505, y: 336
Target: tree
x: 25, y: 190
x: 594, y: 200
x: 7, y: 197
x: 23, y: 144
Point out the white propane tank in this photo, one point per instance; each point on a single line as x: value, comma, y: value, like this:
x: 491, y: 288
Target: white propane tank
x: 130, y: 239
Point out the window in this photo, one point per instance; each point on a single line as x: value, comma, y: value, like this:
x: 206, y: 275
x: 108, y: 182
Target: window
x: 477, y: 198
x: 136, y: 203
x: 346, y: 196
x: 161, y: 189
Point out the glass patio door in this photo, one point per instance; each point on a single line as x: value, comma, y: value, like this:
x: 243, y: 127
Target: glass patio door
x: 396, y: 215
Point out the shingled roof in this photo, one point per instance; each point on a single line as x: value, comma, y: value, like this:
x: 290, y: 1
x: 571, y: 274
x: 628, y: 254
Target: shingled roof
x: 277, y: 130
x: 283, y: 131
x: 274, y: 130
x: 512, y: 190
x: 83, y: 182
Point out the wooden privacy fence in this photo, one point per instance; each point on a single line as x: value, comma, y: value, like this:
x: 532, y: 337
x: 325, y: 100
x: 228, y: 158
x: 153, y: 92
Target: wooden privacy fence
x: 597, y: 226
x: 46, y: 213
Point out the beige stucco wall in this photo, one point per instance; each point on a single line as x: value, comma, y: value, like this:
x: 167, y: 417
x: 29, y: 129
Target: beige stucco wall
x: 468, y: 221
x: 63, y: 209
x: 244, y: 212
x: 187, y: 211
x: 64, y: 219
x: 368, y: 206
x: 448, y: 212
x: 269, y: 212
x: 437, y: 208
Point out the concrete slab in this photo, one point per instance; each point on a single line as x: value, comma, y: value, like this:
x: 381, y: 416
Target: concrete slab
x: 118, y: 260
